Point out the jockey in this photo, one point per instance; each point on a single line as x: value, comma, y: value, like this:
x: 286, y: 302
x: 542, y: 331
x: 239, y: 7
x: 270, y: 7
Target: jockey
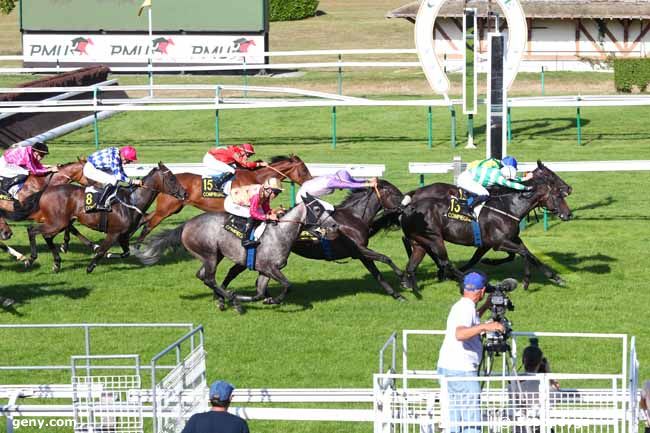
x: 105, y: 167
x: 489, y: 172
x: 222, y: 161
x: 254, y: 203
x: 23, y: 161
x: 324, y: 185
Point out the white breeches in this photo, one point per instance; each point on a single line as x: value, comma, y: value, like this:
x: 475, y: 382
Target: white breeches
x: 99, y: 176
x: 11, y: 170
x: 466, y: 181
x: 214, y: 166
x: 328, y: 206
x: 235, y: 209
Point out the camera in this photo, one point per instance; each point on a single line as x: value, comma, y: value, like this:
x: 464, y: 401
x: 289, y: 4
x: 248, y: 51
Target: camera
x: 497, y: 342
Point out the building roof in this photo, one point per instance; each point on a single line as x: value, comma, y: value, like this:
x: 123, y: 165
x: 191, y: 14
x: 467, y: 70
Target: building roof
x: 606, y: 9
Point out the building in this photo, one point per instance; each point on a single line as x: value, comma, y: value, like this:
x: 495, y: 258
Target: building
x: 564, y: 35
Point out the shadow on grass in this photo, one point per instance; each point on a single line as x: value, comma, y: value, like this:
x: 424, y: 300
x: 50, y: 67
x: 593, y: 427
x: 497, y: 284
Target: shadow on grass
x: 23, y: 293
x: 595, y: 263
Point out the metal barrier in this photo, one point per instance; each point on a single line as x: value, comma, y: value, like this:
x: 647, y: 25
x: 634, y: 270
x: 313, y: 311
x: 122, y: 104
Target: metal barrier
x: 586, y: 403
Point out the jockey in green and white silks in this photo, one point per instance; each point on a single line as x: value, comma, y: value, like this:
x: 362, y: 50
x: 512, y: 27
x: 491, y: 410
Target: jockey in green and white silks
x: 481, y: 174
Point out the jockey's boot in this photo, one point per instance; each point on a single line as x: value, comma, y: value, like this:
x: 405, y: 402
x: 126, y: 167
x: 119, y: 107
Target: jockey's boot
x: 103, y: 204
x: 474, y: 201
x: 221, y: 179
x: 246, y: 242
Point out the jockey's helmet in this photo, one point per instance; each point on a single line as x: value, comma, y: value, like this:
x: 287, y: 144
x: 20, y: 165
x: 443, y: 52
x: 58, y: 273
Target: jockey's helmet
x: 273, y: 183
x: 509, y: 172
x: 248, y: 148
x: 128, y: 153
x: 509, y: 161
x: 41, y: 148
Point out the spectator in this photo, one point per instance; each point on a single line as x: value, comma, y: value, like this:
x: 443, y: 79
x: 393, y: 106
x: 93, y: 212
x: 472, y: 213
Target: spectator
x: 217, y: 420
x: 644, y: 404
x: 461, y: 352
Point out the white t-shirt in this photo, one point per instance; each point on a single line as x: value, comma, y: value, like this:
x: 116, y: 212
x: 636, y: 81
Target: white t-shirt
x: 456, y: 354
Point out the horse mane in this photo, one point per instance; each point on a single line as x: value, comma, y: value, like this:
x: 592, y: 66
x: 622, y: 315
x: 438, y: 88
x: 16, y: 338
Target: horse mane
x: 280, y: 158
x: 353, y: 198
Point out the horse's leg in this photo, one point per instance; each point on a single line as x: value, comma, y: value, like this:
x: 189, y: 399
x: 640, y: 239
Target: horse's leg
x: 209, y: 267
x: 6, y: 248
x: 233, y: 272
x: 480, y: 252
x: 375, y: 256
x: 124, y: 244
x: 372, y: 268
x: 31, y: 233
x: 103, y: 248
x: 496, y: 262
x: 407, y: 246
x: 436, y: 260
x: 517, y: 246
x: 166, y: 205
x: 84, y: 240
x: 277, y: 275
x: 408, y: 280
x: 437, y: 246
x: 49, y: 240
x: 219, y: 300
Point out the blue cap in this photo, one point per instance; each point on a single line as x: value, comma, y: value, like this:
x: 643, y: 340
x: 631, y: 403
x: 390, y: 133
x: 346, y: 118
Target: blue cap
x: 221, y: 390
x: 509, y: 160
x: 474, y: 281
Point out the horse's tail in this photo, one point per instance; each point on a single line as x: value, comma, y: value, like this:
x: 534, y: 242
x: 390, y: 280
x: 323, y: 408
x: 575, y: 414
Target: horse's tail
x: 23, y: 211
x: 158, y: 244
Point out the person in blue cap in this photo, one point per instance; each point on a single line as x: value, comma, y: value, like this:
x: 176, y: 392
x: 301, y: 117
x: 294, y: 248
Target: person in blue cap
x: 461, y: 352
x: 217, y: 420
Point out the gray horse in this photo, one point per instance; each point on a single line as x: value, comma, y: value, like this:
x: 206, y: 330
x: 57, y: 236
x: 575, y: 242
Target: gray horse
x: 206, y: 239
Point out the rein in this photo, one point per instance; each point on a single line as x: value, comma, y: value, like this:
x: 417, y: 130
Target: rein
x: 277, y: 171
x: 502, y: 212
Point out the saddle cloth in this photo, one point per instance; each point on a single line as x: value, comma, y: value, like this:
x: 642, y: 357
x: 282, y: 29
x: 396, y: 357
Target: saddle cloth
x: 237, y: 226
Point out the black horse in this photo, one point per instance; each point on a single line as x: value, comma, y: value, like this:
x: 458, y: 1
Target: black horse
x: 426, y: 225
x: 353, y: 218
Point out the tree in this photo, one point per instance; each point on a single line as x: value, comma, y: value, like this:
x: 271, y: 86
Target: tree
x: 6, y: 6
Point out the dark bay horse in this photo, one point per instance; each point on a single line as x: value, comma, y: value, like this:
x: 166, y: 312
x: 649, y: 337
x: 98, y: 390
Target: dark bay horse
x: 205, y: 238
x: 353, y: 218
x: 281, y: 167
x: 62, y: 204
x: 426, y: 226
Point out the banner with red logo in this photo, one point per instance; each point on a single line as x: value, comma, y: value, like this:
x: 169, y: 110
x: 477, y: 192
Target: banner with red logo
x: 50, y: 49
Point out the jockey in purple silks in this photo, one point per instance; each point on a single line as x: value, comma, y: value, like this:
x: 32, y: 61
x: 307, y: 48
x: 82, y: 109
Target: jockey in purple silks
x: 324, y: 185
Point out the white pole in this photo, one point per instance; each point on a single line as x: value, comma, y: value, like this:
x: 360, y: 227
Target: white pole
x: 150, y: 51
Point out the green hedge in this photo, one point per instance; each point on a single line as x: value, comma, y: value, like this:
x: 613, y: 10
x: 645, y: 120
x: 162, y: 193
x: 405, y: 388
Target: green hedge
x: 630, y: 73
x: 288, y: 10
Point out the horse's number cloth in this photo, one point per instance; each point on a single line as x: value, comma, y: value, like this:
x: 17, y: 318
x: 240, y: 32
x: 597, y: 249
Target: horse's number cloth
x: 92, y: 196
x: 210, y: 188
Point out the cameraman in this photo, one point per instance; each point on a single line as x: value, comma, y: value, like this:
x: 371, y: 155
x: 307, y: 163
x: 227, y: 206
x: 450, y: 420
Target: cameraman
x: 461, y: 351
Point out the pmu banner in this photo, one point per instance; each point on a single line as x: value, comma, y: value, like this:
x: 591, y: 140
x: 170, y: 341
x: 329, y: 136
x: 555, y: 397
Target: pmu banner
x: 109, y: 49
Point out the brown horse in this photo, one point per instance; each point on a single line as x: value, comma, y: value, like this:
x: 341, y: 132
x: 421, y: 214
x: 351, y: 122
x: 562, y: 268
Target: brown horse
x: 60, y: 205
x: 70, y: 172
x: 281, y: 167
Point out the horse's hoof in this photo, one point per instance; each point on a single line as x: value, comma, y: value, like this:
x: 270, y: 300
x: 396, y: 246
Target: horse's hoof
x: 558, y: 280
x: 95, y: 248
x: 525, y: 284
x: 63, y: 249
x: 406, y: 285
x: 56, y: 268
x: 271, y: 301
x: 220, y: 305
x: 239, y: 309
x: 7, y: 302
x: 399, y: 297
x: 90, y: 268
x: 29, y: 262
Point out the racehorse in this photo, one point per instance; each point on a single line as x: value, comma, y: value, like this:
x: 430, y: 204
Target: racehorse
x: 60, y: 205
x: 426, y: 225
x: 206, y: 239
x: 353, y: 218
x: 281, y: 167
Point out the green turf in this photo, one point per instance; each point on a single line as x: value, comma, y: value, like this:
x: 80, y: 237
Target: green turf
x: 335, y: 319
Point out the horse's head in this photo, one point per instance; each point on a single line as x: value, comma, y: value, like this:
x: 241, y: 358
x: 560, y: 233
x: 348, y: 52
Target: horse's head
x: 292, y: 167
x: 553, y: 191
x: 5, y: 230
x: 163, y: 180
x: 71, y: 172
x: 318, y: 216
x: 390, y: 197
